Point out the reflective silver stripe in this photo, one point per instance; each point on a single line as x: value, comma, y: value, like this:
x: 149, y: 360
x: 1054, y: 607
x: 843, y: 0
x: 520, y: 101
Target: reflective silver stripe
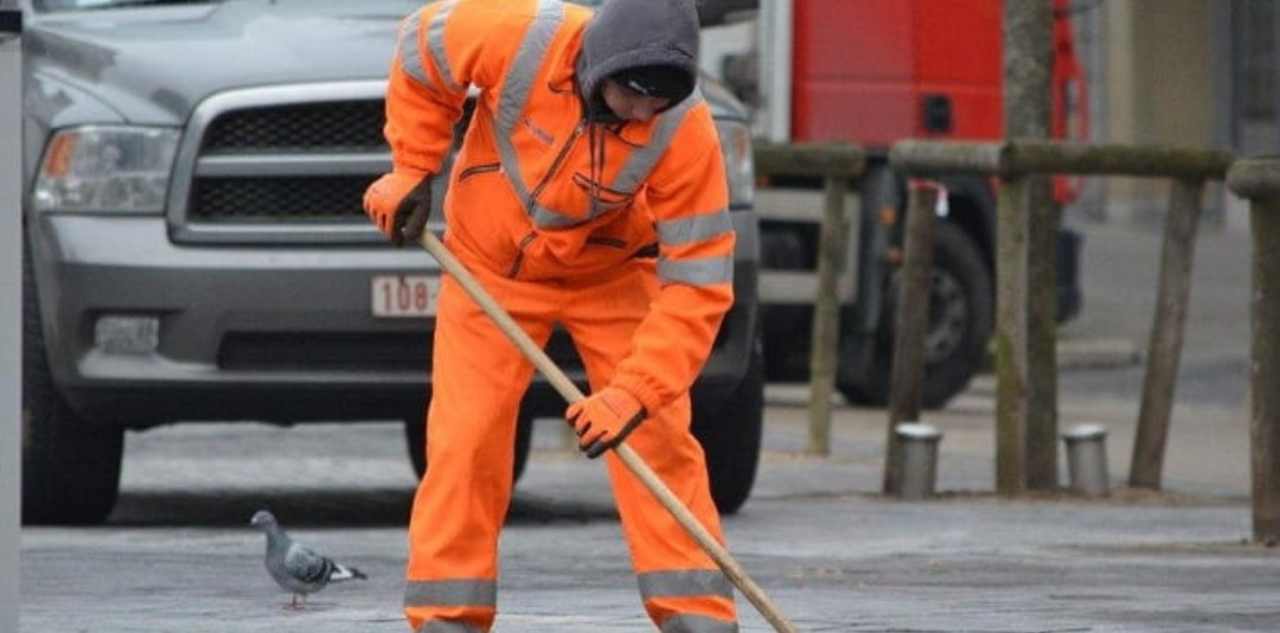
x: 639, y: 164
x: 445, y: 626
x: 696, y: 272
x: 435, y: 43
x: 695, y: 229
x: 641, y: 160
x: 548, y: 218
x: 545, y: 218
x: 689, y: 623
x: 410, y: 56
x: 515, y: 90
x: 451, y: 593
x: 684, y: 583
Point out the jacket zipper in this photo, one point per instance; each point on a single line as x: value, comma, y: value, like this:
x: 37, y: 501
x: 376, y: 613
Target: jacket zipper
x: 524, y: 243
x: 478, y: 169
x: 555, y: 164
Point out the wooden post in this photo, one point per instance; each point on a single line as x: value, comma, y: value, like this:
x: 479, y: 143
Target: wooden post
x: 1264, y: 426
x: 826, y: 315
x: 1165, y: 350
x: 1011, y: 337
x: 912, y: 323
x: 1028, y: 61
x: 1042, y: 336
x: 1259, y: 180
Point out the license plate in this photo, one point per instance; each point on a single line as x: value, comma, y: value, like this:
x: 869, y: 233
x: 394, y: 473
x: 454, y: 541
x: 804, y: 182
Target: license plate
x: 404, y: 296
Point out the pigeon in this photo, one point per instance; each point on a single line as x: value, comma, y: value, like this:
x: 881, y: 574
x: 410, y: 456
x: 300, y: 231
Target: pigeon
x: 295, y: 567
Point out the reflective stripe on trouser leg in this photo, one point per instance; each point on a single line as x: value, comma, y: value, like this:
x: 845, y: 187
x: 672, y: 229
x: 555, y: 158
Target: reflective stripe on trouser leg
x: 681, y: 585
x: 478, y: 380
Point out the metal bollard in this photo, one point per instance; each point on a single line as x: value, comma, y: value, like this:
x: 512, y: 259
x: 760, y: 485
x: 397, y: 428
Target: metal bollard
x: 1087, y: 459
x: 919, y: 444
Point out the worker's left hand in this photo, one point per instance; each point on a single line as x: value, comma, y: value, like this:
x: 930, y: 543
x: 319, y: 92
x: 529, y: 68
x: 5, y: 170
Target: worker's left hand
x: 602, y: 420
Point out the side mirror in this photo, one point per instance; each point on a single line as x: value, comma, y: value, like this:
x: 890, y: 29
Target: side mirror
x: 716, y: 12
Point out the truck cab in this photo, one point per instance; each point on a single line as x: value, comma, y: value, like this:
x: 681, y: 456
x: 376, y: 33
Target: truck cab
x: 874, y: 72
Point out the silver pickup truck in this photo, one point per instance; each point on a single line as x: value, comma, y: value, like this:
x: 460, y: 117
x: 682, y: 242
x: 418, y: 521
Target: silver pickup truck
x: 195, y: 247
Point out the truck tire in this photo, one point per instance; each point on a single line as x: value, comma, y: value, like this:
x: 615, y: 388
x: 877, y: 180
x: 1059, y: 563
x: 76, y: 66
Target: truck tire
x: 70, y: 465
x: 415, y: 428
x: 961, y: 315
x: 730, y: 432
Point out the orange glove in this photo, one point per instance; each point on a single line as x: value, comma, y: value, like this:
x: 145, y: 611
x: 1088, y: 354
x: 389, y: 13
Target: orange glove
x: 399, y: 205
x: 602, y: 420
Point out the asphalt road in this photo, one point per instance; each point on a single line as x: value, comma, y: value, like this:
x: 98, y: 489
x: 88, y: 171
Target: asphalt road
x: 178, y: 555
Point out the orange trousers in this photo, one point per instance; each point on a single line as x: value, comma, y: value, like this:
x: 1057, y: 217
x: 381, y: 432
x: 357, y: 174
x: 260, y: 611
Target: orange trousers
x: 479, y: 378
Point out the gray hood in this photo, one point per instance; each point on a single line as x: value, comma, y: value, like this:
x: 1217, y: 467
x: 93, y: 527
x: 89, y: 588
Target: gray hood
x: 630, y: 33
x: 152, y: 65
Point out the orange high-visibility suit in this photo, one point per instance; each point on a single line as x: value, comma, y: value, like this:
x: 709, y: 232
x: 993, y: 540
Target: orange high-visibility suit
x: 618, y: 231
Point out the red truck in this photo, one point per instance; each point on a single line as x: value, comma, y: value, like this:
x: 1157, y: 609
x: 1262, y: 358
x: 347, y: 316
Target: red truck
x: 873, y: 72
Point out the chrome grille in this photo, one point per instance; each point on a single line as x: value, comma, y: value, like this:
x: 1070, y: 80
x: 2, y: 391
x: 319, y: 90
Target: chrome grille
x: 281, y: 164
x: 333, y: 126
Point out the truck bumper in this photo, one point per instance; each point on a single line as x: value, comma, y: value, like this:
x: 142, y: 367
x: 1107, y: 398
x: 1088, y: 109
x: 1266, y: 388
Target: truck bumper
x: 267, y: 333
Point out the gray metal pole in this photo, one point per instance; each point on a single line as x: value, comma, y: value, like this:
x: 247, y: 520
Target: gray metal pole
x: 10, y: 309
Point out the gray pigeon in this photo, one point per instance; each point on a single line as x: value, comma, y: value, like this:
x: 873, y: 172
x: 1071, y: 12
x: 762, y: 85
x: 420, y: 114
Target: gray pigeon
x: 297, y: 568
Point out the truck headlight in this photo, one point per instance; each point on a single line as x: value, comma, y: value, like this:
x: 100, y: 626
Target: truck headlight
x: 106, y: 169
x: 735, y: 145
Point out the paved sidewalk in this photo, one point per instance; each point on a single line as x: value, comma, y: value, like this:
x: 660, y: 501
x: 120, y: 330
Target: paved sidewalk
x: 816, y: 535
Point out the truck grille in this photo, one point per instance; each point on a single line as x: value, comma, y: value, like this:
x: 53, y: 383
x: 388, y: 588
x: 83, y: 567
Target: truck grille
x: 281, y: 164
x: 334, y: 126
x: 293, y: 199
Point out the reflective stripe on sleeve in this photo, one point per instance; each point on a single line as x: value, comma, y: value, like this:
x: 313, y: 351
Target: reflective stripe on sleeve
x: 410, y: 56
x: 705, y: 271
x: 696, y: 228
x: 451, y: 593
x: 435, y: 43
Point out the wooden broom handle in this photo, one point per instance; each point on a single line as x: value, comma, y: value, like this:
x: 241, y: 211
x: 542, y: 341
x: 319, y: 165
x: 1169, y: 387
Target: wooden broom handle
x: 633, y: 461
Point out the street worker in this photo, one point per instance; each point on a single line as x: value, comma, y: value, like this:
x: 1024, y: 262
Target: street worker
x: 588, y: 192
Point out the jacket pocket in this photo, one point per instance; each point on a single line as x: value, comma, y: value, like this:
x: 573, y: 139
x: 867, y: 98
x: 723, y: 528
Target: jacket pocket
x: 482, y: 168
x: 521, y: 247
x: 606, y: 198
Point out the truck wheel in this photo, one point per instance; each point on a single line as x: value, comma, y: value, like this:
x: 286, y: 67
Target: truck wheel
x: 415, y: 429
x: 70, y: 466
x: 730, y: 433
x: 960, y: 322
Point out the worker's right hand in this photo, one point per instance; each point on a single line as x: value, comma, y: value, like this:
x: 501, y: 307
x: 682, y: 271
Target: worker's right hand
x: 603, y: 419
x: 399, y: 205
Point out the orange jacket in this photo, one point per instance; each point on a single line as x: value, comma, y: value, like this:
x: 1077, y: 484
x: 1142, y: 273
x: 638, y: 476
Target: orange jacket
x: 521, y: 198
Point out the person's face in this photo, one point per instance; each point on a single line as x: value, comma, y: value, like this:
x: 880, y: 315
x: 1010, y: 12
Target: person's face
x: 629, y: 105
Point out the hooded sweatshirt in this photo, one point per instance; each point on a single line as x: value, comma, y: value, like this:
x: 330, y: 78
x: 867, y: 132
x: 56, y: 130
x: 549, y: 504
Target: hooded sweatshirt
x: 541, y: 190
x: 631, y: 33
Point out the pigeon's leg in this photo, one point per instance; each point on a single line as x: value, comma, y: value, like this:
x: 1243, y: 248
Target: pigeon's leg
x: 293, y: 601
